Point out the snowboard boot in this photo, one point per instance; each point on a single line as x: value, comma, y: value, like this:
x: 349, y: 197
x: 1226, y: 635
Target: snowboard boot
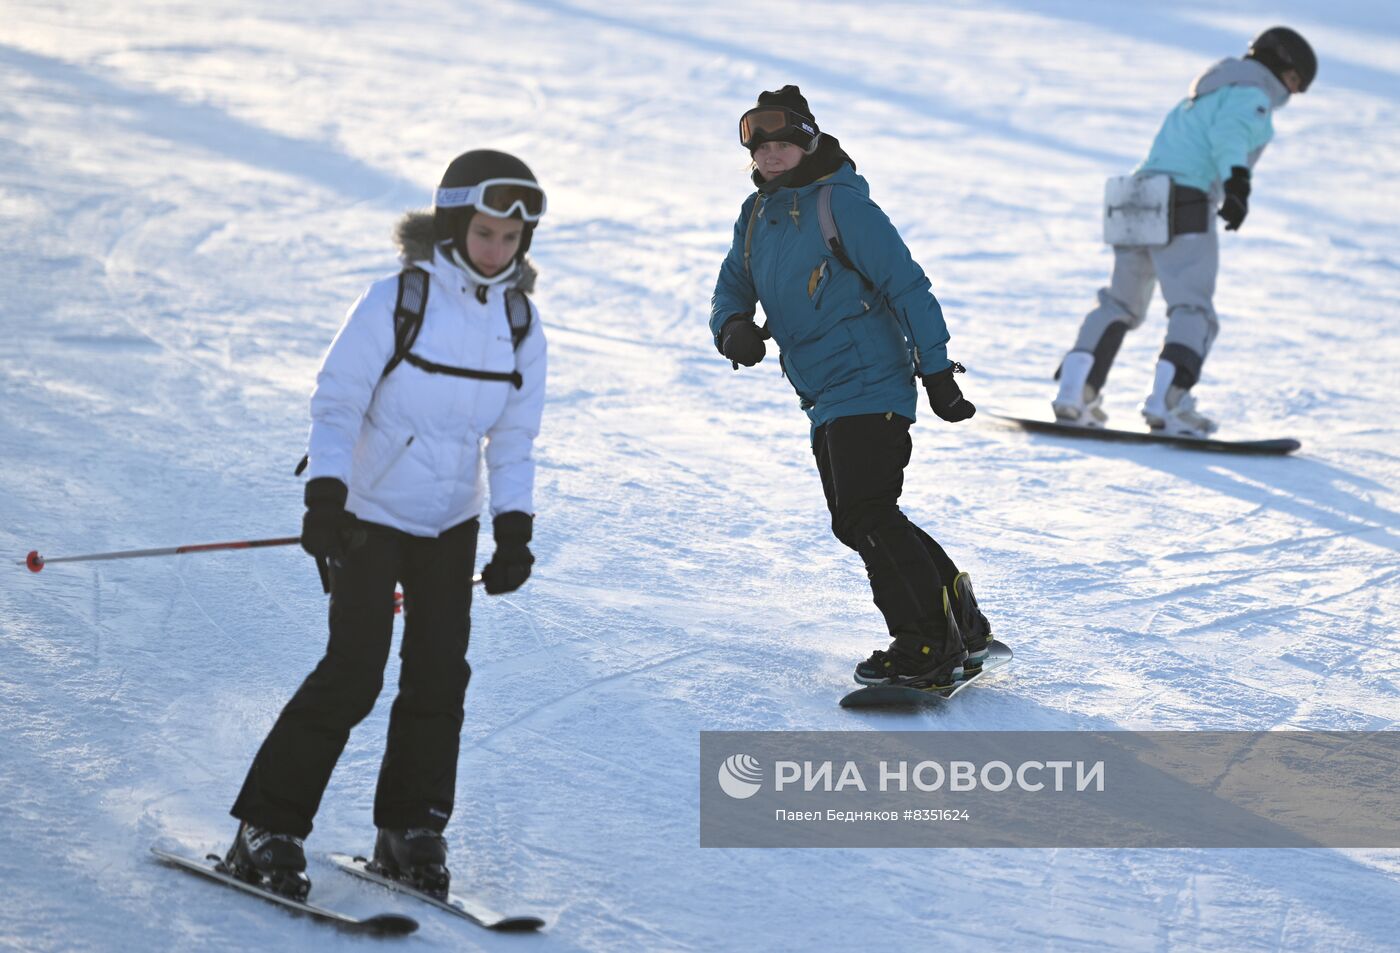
x: 417, y: 856
x: 976, y: 630
x: 1171, y: 410
x: 274, y: 861
x: 1078, y: 403
x: 925, y: 655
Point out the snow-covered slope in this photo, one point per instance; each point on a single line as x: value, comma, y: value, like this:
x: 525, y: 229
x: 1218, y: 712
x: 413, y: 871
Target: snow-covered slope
x: 191, y: 194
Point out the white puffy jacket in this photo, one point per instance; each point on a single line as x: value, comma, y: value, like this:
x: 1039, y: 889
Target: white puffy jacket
x: 410, y: 446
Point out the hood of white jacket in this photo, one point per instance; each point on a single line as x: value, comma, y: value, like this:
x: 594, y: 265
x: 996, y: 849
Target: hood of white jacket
x: 414, y: 234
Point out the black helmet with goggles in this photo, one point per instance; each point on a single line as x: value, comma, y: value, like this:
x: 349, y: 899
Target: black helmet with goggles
x: 493, y: 183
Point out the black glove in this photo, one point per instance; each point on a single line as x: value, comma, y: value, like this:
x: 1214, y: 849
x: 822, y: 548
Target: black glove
x: 510, y: 566
x: 1236, y: 205
x: 945, y: 397
x: 325, y: 525
x: 741, y: 342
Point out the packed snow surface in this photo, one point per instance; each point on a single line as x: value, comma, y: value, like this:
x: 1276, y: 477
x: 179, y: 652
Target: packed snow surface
x: 192, y: 194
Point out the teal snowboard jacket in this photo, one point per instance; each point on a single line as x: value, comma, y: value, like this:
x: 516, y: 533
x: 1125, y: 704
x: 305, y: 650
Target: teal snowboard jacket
x: 845, y: 348
x: 1226, y: 120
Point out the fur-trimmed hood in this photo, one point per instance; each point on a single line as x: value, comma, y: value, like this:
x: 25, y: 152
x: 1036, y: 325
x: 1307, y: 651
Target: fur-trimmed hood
x: 414, y: 237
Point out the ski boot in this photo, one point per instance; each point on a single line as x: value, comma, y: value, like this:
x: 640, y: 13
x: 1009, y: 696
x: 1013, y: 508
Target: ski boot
x: 417, y: 857
x: 926, y: 655
x: 1171, y: 410
x: 276, y: 862
x: 1078, y: 403
x: 976, y: 630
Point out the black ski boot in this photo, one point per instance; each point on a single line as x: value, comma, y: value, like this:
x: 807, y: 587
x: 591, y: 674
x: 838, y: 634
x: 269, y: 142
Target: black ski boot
x: 927, y: 655
x: 274, y: 861
x: 976, y: 630
x: 417, y: 856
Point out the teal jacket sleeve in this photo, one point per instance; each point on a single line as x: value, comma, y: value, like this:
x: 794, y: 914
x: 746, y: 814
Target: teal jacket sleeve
x: 875, y: 248
x: 734, y: 291
x: 1241, y: 126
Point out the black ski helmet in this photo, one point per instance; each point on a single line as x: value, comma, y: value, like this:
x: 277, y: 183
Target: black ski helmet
x: 1281, y: 50
x: 473, y: 168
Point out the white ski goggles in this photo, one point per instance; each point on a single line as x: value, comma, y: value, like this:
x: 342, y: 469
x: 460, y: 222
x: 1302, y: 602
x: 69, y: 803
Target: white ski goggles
x: 499, y: 198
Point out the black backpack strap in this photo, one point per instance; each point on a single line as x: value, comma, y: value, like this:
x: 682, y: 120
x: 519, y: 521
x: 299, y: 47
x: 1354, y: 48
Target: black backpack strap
x: 519, y: 315
x: 748, y: 233
x: 432, y: 367
x: 409, y: 308
x: 412, y: 303
x: 831, y: 234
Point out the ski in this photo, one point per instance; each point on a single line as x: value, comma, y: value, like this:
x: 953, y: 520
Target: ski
x: 468, y: 909
x: 1278, y: 446
x: 903, y: 696
x: 212, y: 867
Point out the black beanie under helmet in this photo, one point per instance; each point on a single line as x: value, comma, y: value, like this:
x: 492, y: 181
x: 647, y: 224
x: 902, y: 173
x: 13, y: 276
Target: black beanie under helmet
x: 473, y: 168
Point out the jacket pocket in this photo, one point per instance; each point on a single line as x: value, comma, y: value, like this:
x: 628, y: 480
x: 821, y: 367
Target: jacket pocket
x: 803, y: 395
x: 391, y: 462
x: 827, y: 369
x: 818, y: 281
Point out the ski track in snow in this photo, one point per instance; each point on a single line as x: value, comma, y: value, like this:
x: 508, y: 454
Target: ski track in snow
x: 190, y: 198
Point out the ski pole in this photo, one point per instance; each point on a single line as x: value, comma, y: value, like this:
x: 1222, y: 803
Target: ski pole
x: 35, y: 563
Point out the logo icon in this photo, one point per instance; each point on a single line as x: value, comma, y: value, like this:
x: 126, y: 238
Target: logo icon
x: 740, y: 776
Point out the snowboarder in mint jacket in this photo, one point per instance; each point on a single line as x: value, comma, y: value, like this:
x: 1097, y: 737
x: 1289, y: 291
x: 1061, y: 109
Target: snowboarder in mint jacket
x: 856, y: 326
x: 395, y: 495
x: 1208, y: 146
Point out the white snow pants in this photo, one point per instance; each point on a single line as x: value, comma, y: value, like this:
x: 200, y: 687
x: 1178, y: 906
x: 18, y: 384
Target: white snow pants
x: 1186, y: 268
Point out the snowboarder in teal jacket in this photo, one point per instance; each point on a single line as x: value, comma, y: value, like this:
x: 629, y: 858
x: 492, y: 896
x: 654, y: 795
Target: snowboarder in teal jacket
x: 856, y: 326
x: 1207, y: 146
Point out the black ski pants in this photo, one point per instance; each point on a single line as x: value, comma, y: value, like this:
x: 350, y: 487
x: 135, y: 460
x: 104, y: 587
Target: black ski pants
x: 861, y: 460
x: 418, y: 777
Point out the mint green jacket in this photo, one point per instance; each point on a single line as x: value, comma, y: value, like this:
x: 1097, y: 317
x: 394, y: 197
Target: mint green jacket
x: 1226, y: 120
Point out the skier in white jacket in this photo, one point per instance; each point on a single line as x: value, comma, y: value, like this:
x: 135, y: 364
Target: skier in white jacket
x: 398, y: 436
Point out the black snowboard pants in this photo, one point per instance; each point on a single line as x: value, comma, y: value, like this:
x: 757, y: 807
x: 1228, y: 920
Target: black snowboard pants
x: 418, y: 777
x: 861, y: 460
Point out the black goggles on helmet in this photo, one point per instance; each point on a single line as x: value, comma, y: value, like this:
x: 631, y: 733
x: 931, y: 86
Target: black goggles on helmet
x: 499, y: 198
x: 777, y: 124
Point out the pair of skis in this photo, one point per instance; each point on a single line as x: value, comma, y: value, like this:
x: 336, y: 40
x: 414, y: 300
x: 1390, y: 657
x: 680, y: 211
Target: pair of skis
x: 383, y: 924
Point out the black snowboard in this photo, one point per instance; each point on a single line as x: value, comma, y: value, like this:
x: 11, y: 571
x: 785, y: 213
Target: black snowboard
x: 1276, y: 447
x: 212, y: 866
x: 902, y: 696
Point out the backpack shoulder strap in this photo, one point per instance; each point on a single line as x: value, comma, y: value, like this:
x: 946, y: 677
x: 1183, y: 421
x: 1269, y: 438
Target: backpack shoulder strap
x: 748, y: 232
x: 519, y: 315
x: 831, y: 234
x: 409, y: 308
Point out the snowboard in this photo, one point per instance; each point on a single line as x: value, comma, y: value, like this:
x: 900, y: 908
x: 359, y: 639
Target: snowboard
x: 1278, y: 446
x: 902, y: 696
x: 212, y: 867
x: 468, y: 909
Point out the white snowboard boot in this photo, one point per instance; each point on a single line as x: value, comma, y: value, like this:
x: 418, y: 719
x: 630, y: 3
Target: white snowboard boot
x: 1078, y: 403
x: 1172, y: 410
